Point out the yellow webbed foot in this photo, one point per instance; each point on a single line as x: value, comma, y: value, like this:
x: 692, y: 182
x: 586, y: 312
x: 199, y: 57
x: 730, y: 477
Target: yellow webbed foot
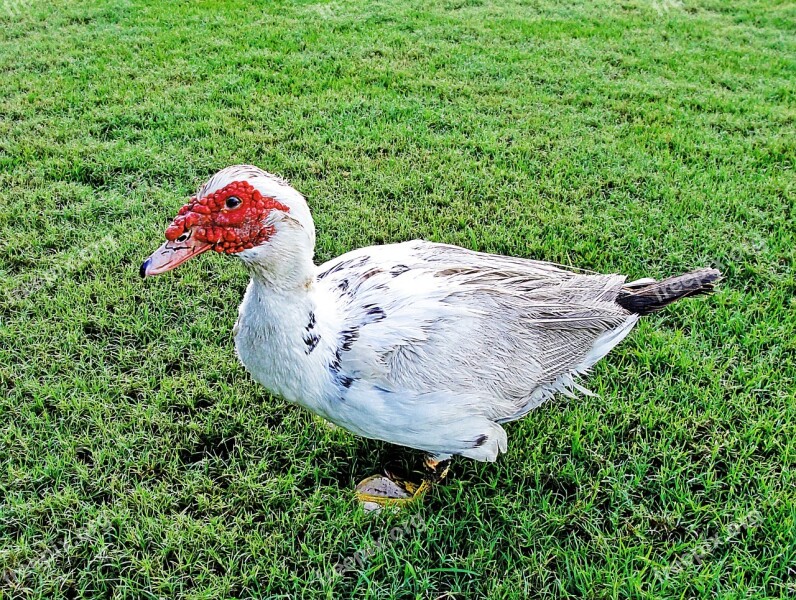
x: 378, y: 491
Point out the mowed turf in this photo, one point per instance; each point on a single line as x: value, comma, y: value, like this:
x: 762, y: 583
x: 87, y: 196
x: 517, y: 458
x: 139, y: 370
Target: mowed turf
x: 138, y: 459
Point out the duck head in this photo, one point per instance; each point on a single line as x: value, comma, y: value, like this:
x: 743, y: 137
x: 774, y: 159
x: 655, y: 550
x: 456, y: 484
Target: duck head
x: 244, y: 211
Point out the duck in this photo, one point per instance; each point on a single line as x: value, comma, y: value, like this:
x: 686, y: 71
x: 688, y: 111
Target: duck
x: 420, y: 344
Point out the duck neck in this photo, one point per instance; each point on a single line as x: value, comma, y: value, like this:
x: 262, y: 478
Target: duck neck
x: 281, y: 332
x: 284, y: 265
x: 295, y: 281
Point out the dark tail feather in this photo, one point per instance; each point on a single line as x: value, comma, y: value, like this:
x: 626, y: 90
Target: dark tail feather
x: 651, y: 297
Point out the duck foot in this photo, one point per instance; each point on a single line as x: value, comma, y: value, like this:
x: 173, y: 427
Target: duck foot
x: 379, y: 491
x: 396, y: 488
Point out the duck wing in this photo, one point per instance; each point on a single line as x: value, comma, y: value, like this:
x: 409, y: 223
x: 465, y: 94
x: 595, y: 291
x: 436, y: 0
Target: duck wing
x: 496, y: 335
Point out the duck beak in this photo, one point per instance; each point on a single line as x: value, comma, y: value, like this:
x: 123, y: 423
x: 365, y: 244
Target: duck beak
x: 172, y: 254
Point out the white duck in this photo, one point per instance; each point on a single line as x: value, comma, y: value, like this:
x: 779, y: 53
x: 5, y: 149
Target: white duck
x: 420, y: 344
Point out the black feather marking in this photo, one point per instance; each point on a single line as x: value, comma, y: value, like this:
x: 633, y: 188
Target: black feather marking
x: 349, y: 336
x: 342, y: 380
x: 311, y: 340
x: 370, y: 273
x: 343, y: 285
x: 334, y: 366
x: 374, y: 313
x: 398, y: 270
x: 364, y: 277
x: 480, y: 441
x: 334, y: 268
x: 343, y: 264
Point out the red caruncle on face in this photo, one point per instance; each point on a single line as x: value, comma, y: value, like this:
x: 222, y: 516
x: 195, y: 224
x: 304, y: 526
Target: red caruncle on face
x: 232, y: 218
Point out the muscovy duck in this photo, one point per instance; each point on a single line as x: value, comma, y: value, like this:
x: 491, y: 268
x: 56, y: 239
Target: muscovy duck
x: 420, y: 344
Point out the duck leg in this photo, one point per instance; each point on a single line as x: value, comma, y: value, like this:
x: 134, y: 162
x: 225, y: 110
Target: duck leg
x: 399, y: 487
x: 437, y: 466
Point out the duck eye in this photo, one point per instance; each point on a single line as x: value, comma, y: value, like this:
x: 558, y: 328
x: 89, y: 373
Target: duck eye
x: 233, y: 202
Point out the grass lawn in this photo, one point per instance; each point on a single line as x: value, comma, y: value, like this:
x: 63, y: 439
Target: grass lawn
x: 139, y: 460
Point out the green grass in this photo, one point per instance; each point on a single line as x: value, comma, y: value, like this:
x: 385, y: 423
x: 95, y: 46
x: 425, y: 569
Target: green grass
x: 139, y: 460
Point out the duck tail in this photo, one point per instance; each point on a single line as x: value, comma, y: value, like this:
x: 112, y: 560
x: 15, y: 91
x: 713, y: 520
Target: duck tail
x: 648, y: 296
